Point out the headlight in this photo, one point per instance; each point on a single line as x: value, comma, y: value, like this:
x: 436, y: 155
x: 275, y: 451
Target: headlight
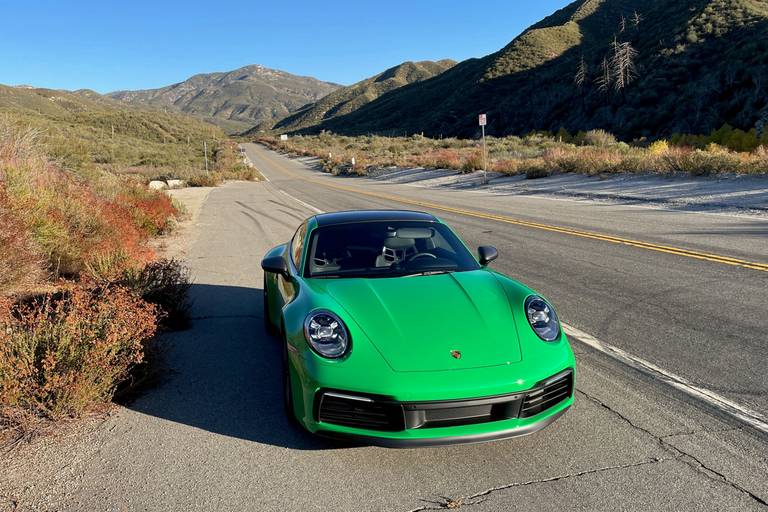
x: 542, y: 318
x: 326, y: 334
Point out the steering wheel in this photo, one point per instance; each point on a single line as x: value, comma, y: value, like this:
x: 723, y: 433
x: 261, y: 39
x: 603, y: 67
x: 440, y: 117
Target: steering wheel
x: 422, y: 255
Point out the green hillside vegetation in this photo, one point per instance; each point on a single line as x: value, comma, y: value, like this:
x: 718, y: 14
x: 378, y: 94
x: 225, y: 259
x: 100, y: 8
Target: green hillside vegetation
x: 348, y: 99
x: 632, y: 67
x: 76, y: 129
x: 235, y: 100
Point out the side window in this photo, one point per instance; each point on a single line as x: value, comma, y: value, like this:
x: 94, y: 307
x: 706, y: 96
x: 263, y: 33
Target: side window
x: 297, y: 245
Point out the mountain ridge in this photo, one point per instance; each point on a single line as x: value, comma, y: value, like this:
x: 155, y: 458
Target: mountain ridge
x: 348, y: 99
x: 235, y: 100
x: 695, y: 66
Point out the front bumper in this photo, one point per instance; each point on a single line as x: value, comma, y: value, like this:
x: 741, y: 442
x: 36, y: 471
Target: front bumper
x: 419, y: 442
x: 383, y: 421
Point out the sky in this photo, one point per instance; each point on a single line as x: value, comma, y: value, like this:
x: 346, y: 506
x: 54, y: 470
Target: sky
x: 107, y: 46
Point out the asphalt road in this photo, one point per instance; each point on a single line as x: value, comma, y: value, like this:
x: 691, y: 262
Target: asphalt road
x: 213, y: 435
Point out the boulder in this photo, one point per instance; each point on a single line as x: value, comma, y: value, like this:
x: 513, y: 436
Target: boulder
x: 172, y: 184
x: 158, y: 185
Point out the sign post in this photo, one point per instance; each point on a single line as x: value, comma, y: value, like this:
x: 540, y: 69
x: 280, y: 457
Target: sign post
x: 483, y: 119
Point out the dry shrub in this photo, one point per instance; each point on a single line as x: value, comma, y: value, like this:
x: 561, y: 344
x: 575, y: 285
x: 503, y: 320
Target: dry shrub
x: 164, y: 283
x: 69, y: 222
x: 21, y: 265
x: 205, y: 180
x: 473, y: 161
x: 63, y: 354
x: 438, y: 159
x: 153, y: 212
x: 506, y: 166
x: 600, y: 138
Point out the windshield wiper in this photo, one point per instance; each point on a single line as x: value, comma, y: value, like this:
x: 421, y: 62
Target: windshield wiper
x: 428, y: 273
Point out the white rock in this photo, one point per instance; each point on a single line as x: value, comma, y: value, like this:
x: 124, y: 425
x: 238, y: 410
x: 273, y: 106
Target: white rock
x: 157, y: 185
x: 176, y: 184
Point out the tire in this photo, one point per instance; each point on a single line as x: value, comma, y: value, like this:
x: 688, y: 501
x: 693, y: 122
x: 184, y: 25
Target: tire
x: 288, y: 403
x: 268, y: 325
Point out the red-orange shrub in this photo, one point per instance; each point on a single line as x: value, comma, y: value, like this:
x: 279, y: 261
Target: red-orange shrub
x: 152, y: 211
x: 65, y: 353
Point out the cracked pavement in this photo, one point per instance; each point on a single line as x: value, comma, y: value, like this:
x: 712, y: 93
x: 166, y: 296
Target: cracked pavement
x: 212, y: 435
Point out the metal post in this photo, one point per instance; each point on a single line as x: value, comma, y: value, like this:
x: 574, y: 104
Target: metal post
x: 485, y: 159
x: 205, y: 149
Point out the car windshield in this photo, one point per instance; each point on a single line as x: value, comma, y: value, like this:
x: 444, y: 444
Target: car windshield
x: 386, y: 249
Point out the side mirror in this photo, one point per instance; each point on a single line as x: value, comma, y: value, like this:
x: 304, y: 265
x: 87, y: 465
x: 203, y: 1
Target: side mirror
x: 275, y: 265
x: 487, y: 254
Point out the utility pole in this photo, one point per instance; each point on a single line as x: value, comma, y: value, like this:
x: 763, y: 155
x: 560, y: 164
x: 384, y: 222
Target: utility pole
x: 205, y: 149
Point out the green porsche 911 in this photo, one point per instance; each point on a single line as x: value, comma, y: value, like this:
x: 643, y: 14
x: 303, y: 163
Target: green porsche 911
x: 393, y: 334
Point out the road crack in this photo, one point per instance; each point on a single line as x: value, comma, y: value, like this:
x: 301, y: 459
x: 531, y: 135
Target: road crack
x: 445, y: 503
x: 681, y: 455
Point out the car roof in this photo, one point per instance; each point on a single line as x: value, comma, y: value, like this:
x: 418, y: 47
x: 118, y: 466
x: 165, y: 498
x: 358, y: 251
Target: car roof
x: 350, y: 217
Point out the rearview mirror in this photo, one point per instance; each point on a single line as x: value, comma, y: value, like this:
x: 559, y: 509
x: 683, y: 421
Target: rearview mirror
x: 275, y: 265
x: 487, y: 254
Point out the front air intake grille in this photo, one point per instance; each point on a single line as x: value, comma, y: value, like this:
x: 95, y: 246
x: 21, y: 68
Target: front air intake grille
x: 548, y: 395
x: 359, y: 412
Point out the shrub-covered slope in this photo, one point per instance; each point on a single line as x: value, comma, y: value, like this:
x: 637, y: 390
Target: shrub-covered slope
x: 348, y: 99
x: 76, y: 129
x: 634, y: 67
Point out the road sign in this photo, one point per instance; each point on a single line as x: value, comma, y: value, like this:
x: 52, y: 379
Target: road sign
x: 283, y: 137
x: 483, y: 120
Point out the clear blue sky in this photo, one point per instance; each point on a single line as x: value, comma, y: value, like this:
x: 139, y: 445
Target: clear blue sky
x: 141, y: 44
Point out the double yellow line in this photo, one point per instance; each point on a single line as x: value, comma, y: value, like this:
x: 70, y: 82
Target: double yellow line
x: 715, y: 258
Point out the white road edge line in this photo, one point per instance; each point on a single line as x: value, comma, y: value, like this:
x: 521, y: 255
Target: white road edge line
x: 302, y: 203
x: 731, y: 408
x: 715, y: 400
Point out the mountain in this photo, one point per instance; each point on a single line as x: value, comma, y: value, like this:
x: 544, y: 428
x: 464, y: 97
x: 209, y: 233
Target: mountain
x: 348, y: 99
x: 235, y: 100
x: 634, y: 67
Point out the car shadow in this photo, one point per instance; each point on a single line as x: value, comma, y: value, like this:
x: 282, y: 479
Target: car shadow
x: 223, y: 375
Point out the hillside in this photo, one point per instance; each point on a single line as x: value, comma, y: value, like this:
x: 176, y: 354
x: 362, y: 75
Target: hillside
x: 77, y: 130
x: 633, y: 67
x: 348, y: 99
x: 235, y: 100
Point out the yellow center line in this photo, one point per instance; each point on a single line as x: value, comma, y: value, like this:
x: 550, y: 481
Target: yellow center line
x: 716, y: 258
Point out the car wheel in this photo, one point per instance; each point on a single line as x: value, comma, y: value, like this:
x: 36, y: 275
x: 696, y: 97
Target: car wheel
x: 270, y: 327
x: 288, y: 388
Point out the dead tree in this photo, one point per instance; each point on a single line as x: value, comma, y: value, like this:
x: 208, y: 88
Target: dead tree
x: 636, y: 19
x: 605, y: 79
x: 622, y: 64
x: 581, y: 74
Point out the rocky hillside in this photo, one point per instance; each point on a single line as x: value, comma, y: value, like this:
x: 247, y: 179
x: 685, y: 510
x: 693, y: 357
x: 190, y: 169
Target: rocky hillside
x: 634, y: 67
x: 235, y: 100
x: 348, y: 99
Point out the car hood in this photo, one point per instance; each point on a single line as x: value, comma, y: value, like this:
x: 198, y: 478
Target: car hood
x: 417, y: 323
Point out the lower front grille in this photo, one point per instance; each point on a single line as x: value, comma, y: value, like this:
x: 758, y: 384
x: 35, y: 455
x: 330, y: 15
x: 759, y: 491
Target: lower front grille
x: 381, y: 413
x: 548, y: 395
x: 360, y: 412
